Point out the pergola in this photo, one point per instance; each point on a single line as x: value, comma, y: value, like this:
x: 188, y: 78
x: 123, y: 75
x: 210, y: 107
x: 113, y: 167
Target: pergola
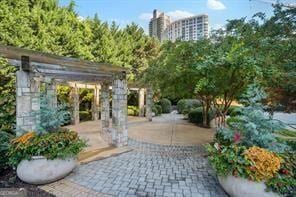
x: 36, y: 67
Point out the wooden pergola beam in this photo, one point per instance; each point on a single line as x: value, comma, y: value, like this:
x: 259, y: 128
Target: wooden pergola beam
x: 15, y: 53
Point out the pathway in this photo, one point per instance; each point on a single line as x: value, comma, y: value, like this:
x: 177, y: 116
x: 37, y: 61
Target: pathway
x: 148, y: 170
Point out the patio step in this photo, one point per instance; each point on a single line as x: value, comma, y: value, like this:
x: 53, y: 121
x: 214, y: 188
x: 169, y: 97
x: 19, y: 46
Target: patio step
x: 102, y: 153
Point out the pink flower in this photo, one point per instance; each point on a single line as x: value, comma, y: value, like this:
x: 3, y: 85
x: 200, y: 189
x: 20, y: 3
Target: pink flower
x: 236, y: 137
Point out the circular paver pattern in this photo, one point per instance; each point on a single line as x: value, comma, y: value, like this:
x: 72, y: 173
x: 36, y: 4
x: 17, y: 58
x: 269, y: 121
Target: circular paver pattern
x: 151, y: 170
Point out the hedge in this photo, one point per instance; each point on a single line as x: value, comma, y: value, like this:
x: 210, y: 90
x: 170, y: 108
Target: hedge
x: 157, y: 110
x: 165, y: 105
x: 196, y: 116
x: 133, y: 110
x: 185, y: 105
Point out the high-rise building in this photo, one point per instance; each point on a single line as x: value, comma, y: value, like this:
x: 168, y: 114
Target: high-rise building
x: 191, y: 28
x: 158, y: 24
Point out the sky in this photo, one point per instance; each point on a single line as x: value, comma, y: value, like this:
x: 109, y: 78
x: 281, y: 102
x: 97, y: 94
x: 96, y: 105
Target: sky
x: 124, y: 12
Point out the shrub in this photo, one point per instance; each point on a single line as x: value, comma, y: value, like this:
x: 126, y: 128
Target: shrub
x: 59, y: 144
x: 228, y: 159
x: 165, y: 105
x: 265, y: 164
x: 133, y: 110
x: 51, y: 119
x: 185, y: 105
x: 284, y: 182
x: 85, y: 115
x: 4, y: 148
x: 7, y: 96
x: 234, y: 111
x: 157, y: 110
x: 196, y: 115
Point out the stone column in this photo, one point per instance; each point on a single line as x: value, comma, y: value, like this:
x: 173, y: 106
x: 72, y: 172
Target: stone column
x: 96, y: 104
x: 149, y: 103
x: 75, y: 104
x: 141, y: 102
x: 51, y: 93
x: 27, y: 102
x: 119, y: 110
x: 105, y: 106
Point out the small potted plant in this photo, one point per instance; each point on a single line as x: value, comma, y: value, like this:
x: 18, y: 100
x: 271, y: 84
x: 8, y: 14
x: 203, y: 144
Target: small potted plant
x: 45, y: 158
x: 50, y: 152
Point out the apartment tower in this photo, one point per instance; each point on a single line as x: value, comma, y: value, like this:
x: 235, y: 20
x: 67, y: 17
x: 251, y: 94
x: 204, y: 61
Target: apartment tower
x: 158, y: 24
x: 191, y: 28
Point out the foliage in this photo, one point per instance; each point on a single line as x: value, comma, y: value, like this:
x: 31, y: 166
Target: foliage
x: 265, y: 164
x: 85, y: 115
x: 165, y: 105
x: 185, y: 105
x: 157, y: 109
x: 287, y: 133
x: 51, y: 118
x: 4, y: 148
x: 228, y: 159
x: 7, y: 96
x: 59, y: 144
x: 196, y: 115
x: 284, y: 182
x: 254, y: 126
x: 234, y: 110
x: 133, y: 110
x: 63, y: 94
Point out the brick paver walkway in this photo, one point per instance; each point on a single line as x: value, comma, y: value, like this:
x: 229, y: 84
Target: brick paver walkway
x: 150, y: 170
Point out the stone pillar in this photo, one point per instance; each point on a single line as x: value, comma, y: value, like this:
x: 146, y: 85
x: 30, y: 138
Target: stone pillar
x: 51, y: 93
x: 27, y: 102
x: 119, y: 110
x: 95, y: 109
x: 75, y: 104
x: 149, y: 103
x: 105, y: 106
x: 141, y: 102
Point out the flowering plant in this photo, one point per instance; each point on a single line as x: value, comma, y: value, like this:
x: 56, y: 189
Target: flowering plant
x: 60, y: 144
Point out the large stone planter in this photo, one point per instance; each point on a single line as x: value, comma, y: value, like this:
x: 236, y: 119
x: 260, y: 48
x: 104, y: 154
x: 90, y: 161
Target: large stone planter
x: 239, y: 187
x: 40, y: 170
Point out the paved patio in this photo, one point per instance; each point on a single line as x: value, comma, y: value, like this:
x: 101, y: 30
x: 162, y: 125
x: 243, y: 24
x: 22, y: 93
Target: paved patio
x: 168, y: 167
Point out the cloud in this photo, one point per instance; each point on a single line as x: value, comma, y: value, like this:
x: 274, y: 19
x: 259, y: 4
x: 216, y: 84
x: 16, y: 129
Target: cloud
x: 215, y: 5
x: 178, y: 14
x: 145, y: 16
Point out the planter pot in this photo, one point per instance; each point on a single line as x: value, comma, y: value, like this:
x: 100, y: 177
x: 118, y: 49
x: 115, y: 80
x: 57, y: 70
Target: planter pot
x: 40, y: 170
x: 240, y: 187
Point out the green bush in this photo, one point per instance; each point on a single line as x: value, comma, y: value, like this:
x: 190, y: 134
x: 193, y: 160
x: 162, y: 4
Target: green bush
x: 4, y: 148
x: 85, y: 115
x: 284, y: 182
x: 196, y: 115
x: 7, y: 96
x: 59, y: 144
x: 185, y: 105
x: 234, y: 111
x: 132, y: 110
x: 165, y: 105
x: 157, y: 110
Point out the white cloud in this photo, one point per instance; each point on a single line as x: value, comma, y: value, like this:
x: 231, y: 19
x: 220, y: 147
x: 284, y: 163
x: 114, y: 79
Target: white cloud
x: 215, y: 5
x: 145, y: 16
x: 178, y: 14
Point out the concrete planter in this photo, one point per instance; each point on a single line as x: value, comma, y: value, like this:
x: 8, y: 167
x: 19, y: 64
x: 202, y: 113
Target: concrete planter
x: 239, y: 187
x: 40, y: 170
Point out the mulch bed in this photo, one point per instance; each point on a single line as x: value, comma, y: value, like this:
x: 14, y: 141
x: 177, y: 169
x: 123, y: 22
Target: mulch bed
x: 8, y: 179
